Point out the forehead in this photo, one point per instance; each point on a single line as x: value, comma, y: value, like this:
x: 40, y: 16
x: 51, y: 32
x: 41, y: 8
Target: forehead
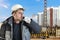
x: 20, y: 11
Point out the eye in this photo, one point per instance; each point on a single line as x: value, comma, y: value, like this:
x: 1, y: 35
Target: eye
x: 21, y: 13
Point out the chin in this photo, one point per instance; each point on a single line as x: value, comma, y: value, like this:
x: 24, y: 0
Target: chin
x: 20, y: 20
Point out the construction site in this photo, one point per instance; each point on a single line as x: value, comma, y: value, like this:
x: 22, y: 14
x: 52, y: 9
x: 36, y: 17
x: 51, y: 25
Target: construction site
x: 49, y: 22
x: 49, y: 32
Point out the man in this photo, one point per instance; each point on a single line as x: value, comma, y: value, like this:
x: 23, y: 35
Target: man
x: 18, y: 27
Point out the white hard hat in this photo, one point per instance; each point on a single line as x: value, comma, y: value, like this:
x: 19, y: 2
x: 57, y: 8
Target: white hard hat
x: 16, y: 7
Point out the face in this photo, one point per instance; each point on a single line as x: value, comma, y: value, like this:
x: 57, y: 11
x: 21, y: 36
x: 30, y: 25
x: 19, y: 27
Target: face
x: 18, y: 15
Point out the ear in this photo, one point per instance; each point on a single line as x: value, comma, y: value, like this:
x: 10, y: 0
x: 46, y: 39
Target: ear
x: 13, y: 14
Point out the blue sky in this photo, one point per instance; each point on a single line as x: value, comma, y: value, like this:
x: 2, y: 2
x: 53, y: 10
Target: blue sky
x: 31, y: 6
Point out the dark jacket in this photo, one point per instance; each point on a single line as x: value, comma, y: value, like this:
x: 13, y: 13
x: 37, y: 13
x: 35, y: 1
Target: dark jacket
x: 7, y: 29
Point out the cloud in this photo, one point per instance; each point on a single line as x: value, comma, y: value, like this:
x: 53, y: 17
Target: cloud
x: 3, y: 4
x: 2, y: 18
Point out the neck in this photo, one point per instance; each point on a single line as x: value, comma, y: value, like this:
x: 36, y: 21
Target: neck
x: 17, y: 22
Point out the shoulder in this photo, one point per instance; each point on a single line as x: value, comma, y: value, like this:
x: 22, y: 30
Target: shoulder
x: 5, y: 26
x: 4, y: 23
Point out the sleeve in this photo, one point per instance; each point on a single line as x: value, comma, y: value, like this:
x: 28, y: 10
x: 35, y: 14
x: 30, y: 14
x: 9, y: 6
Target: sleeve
x: 34, y: 27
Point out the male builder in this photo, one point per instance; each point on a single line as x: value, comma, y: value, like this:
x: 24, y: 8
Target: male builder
x: 18, y: 27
